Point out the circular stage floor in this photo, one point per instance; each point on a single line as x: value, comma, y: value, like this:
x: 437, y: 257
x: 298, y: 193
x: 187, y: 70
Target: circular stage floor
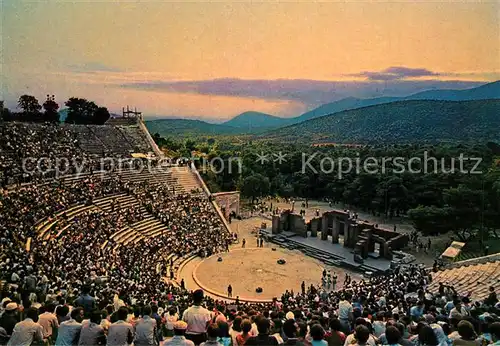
x: 247, y: 269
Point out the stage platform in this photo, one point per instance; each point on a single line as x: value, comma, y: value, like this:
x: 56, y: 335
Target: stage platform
x: 329, y: 253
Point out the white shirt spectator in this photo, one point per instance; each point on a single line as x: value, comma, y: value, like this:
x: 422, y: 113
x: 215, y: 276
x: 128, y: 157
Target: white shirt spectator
x: 68, y: 333
x: 25, y: 333
x: 120, y: 333
x: 48, y: 321
x: 171, y: 319
x: 345, y: 308
x: 197, y: 318
x: 145, y: 330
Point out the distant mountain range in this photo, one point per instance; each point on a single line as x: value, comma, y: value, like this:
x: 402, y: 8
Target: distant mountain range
x: 257, y: 120
x: 253, y: 120
x: 401, y: 122
x: 173, y: 127
x: 257, y: 123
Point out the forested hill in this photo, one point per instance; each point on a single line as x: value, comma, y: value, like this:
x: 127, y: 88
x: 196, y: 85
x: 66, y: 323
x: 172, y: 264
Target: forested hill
x: 401, y: 122
x: 175, y: 127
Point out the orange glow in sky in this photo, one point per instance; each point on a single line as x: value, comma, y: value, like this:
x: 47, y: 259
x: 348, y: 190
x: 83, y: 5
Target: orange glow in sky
x: 113, y: 51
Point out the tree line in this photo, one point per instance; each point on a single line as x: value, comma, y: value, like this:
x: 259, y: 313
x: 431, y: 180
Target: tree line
x: 79, y: 111
x: 436, y: 202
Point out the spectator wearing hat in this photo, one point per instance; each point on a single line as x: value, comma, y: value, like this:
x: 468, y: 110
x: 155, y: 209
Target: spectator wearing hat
x: 197, y: 318
x: 4, y: 303
x: 9, y: 318
x: 179, y: 338
x: 27, y: 331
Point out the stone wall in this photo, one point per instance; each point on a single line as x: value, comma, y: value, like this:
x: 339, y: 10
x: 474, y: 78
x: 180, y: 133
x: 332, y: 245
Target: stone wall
x: 289, y: 222
x: 399, y: 242
x: 298, y: 225
x: 228, y: 202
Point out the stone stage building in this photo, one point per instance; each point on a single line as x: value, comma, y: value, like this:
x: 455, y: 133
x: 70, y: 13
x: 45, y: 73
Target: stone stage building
x: 353, y: 242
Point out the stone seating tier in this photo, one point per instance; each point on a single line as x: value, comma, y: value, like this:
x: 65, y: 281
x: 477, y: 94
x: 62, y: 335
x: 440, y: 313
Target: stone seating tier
x: 476, y: 278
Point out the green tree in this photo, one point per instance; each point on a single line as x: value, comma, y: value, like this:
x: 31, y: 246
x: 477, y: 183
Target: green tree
x: 189, y: 144
x: 255, y: 186
x: 80, y: 111
x: 30, y: 108
x: 464, y: 205
x: 430, y: 220
x: 101, y: 115
x: 5, y: 113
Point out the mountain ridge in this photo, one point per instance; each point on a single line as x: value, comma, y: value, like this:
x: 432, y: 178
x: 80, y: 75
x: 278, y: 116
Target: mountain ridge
x: 252, y: 119
x: 255, y: 122
x: 400, y: 122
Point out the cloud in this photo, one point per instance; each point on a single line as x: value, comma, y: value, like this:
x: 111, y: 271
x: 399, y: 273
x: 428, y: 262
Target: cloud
x: 396, y: 73
x: 93, y: 67
x: 306, y: 91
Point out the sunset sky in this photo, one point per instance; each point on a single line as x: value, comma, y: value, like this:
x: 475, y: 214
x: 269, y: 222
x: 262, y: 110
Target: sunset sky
x: 213, y: 60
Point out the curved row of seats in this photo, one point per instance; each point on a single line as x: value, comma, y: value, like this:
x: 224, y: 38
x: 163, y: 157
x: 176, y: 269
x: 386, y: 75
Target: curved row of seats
x: 152, y: 175
x: 477, y: 278
x: 108, y: 138
x: 180, y: 177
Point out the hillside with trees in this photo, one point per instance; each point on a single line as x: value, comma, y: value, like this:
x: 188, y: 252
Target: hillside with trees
x: 421, y: 121
x: 187, y: 127
x: 434, y: 199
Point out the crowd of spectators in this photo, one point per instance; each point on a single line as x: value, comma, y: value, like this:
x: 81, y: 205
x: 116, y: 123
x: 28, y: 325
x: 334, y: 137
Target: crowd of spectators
x: 31, y: 152
x: 78, y: 255
x: 34, y: 152
x: 195, y: 226
x: 395, y: 309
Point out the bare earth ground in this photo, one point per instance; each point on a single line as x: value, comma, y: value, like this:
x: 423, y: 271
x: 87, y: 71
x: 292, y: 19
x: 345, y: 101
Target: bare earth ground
x: 244, y: 276
x: 249, y: 268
